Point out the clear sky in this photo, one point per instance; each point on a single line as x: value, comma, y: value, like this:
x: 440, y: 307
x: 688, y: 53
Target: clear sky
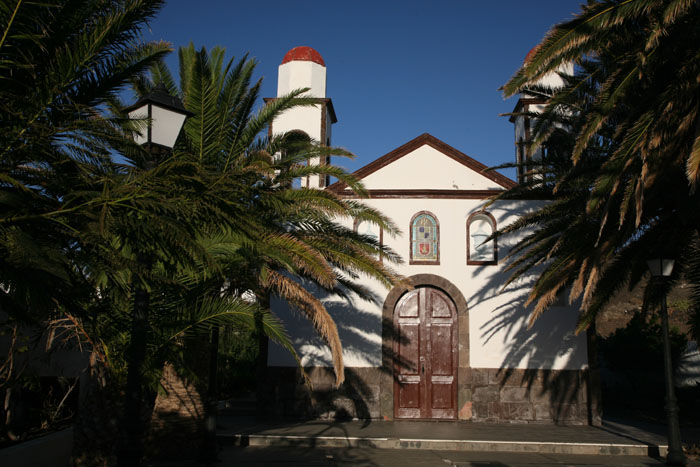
x: 395, y: 69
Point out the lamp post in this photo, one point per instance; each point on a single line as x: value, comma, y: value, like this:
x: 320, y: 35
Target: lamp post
x: 660, y: 270
x: 209, y: 453
x: 165, y: 117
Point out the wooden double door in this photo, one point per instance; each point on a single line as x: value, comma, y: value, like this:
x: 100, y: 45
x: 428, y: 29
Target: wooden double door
x: 425, y: 355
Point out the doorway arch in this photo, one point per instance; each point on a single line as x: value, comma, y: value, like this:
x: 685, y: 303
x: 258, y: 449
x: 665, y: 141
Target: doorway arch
x: 390, y: 337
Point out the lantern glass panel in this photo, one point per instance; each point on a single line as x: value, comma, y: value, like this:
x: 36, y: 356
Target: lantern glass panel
x: 660, y: 267
x: 166, y: 126
x: 141, y: 114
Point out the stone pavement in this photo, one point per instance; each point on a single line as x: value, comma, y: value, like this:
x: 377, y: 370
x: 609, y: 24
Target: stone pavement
x: 337, y: 457
x: 613, y: 438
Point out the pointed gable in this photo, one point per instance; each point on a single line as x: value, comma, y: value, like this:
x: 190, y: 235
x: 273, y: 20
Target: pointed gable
x: 426, y: 166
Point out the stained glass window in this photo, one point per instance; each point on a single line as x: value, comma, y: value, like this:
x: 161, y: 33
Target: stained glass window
x: 425, y: 239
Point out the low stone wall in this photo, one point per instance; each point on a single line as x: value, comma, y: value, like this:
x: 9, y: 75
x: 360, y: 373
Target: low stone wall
x: 484, y: 395
x: 357, y: 397
x: 528, y: 396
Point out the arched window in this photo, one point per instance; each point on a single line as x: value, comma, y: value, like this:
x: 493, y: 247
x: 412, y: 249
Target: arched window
x: 293, y: 143
x: 371, y: 230
x: 425, y: 239
x: 480, y: 226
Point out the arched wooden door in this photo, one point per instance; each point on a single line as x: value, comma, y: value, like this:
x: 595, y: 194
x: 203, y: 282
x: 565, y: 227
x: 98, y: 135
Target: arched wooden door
x: 425, y: 355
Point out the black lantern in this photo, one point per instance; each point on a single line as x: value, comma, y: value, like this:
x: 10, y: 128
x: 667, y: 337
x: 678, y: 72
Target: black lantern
x: 660, y: 267
x: 166, y: 115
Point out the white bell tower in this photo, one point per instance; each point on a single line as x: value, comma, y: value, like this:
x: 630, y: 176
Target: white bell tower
x: 524, y: 125
x: 303, y: 67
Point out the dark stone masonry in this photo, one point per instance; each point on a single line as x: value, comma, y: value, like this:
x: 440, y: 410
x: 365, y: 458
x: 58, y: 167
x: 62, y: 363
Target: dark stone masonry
x: 528, y: 396
x: 485, y: 395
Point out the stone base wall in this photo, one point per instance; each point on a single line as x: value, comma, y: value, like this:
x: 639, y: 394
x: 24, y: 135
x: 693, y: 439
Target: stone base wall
x: 484, y: 395
x: 527, y: 396
x: 357, y: 398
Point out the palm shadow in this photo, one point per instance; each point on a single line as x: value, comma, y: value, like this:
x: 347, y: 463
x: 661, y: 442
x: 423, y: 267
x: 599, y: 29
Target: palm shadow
x: 544, y: 356
x: 367, y: 359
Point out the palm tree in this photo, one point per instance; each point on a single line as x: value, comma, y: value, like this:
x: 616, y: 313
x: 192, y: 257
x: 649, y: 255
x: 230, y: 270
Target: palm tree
x: 60, y: 64
x: 72, y: 218
x: 232, y: 224
x: 296, y: 231
x: 218, y: 216
x: 632, y: 115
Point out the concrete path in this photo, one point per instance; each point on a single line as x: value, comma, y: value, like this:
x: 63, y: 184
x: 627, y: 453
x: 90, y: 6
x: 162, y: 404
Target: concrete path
x: 614, y: 438
x: 337, y: 457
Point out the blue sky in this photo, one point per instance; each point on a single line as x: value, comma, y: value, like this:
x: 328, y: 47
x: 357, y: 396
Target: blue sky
x: 395, y: 69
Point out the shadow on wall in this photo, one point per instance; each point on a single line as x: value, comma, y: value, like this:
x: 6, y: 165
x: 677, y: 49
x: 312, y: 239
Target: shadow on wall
x: 358, y: 328
x: 359, y: 396
x: 534, y: 392
x: 352, y: 400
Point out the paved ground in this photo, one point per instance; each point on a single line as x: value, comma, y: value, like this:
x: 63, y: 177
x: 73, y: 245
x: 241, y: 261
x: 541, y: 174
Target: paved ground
x: 248, y: 442
x: 613, y: 438
x: 406, y: 444
x: 425, y: 430
x: 320, y: 457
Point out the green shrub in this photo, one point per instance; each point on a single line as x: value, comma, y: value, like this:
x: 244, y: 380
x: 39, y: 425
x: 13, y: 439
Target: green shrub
x: 237, y: 363
x: 632, y: 366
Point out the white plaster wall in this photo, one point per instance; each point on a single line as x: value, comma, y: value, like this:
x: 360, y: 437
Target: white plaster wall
x: 306, y: 119
x: 554, y: 80
x: 359, y: 327
x: 312, y: 181
x: 428, y: 168
x: 301, y: 74
x: 499, y: 335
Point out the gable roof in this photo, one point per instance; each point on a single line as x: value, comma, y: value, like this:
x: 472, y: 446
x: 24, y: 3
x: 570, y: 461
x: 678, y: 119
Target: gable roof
x: 443, y: 148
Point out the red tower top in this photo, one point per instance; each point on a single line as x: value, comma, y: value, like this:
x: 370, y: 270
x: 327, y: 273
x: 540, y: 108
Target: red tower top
x: 303, y: 53
x: 531, y: 53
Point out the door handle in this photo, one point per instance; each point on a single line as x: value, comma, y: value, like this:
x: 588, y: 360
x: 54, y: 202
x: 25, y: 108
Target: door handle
x: 423, y: 368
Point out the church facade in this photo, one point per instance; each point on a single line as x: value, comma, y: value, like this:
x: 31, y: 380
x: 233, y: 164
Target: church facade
x: 455, y: 346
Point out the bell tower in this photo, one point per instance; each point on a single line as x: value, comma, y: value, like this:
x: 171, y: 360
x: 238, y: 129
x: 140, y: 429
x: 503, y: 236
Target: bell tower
x: 303, y: 67
x: 524, y: 124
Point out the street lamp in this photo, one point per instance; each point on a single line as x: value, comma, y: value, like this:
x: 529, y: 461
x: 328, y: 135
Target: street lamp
x: 165, y: 116
x: 661, y: 270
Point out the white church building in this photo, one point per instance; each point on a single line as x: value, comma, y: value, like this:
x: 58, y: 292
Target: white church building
x: 457, y: 346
